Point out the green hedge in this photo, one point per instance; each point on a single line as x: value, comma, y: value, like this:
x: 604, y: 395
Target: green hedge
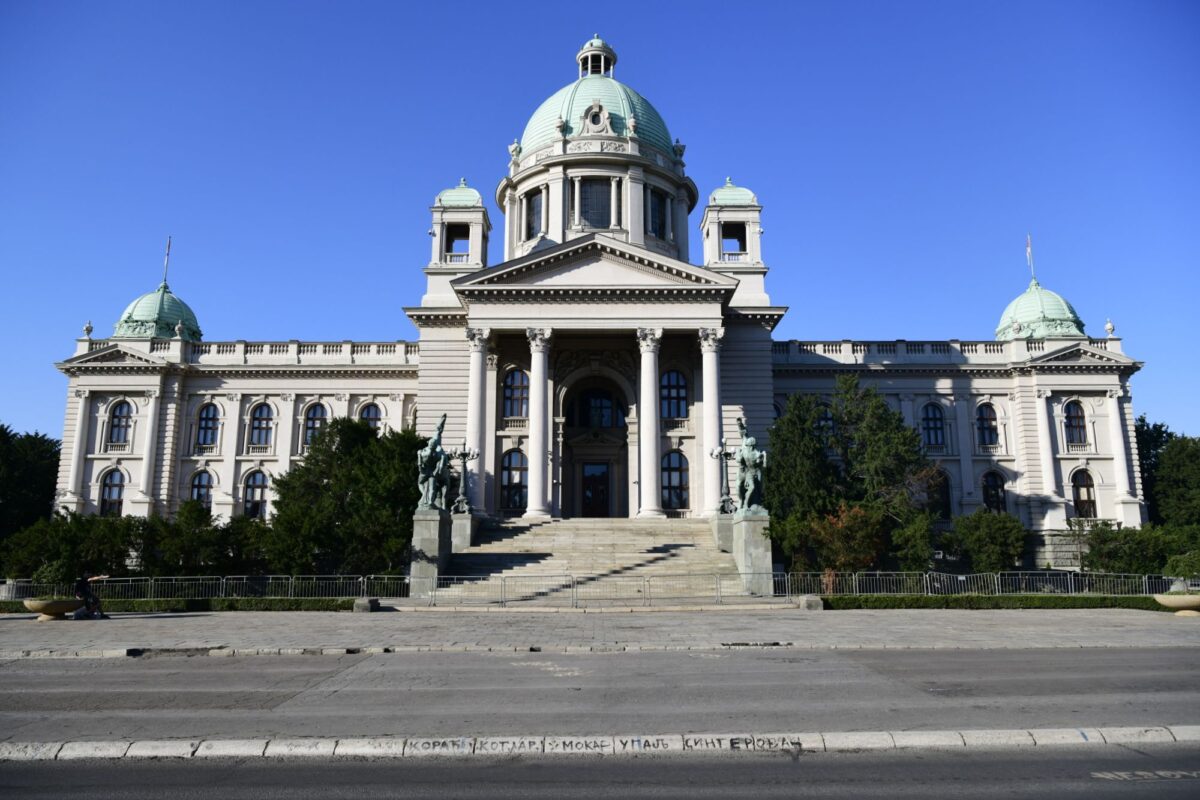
x: 979, y: 601
x: 209, y: 604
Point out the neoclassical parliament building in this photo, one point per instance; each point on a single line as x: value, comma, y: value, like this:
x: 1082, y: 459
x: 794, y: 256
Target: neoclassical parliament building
x: 598, y: 365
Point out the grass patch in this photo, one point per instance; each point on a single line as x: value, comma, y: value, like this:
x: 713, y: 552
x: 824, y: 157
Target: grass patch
x: 209, y: 604
x: 982, y: 601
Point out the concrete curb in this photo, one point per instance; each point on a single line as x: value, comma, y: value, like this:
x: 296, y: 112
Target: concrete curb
x: 793, y: 744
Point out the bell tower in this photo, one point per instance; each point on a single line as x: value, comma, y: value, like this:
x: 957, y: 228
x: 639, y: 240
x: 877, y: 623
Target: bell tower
x: 732, y: 229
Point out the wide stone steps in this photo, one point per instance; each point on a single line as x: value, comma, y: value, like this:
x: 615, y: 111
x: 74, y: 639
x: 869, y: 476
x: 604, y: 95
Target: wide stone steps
x: 589, y: 561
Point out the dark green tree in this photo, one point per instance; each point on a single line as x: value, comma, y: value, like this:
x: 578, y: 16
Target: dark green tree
x: 855, y: 453
x: 992, y: 542
x: 1151, y: 439
x: 1177, y: 482
x: 28, y: 474
x: 347, y: 508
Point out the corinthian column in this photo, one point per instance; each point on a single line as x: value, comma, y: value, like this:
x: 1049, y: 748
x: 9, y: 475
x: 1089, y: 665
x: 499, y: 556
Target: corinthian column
x: 648, y: 477
x: 476, y: 424
x: 710, y: 350
x: 539, y: 348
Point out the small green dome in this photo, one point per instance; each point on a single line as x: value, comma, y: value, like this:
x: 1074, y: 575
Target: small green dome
x: 156, y: 315
x: 1039, y: 313
x: 730, y: 195
x: 461, y: 196
x: 569, y: 103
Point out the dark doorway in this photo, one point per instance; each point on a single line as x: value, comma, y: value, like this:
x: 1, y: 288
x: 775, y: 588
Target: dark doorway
x: 595, y: 490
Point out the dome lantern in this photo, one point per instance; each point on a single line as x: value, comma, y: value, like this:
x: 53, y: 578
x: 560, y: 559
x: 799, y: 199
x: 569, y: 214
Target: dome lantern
x: 596, y: 57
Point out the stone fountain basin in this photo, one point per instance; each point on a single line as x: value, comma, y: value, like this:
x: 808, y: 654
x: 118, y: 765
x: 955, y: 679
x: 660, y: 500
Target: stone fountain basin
x: 1184, y: 604
x: 52, y: 609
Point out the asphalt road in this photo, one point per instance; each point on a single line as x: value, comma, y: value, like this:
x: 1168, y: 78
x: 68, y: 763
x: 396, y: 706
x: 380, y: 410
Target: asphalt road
x: 1164, y: 773
x: 435, y: 694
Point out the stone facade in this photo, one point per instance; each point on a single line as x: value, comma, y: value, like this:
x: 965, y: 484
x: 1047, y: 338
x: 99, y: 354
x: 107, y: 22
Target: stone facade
x: 596, y: 368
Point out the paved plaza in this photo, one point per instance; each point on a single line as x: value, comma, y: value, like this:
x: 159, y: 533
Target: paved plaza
x: 270, y: 632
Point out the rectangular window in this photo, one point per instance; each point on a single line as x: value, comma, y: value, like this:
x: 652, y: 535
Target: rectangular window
x: 656, y: 215
x: 596, y: 202
x: 533, y: 214
x: 733, y: 237
x: 458, y: 238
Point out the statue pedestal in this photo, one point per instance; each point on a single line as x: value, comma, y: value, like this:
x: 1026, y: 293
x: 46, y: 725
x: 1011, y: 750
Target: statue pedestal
x: 430, y: 550
x: 752, y: 552
x: 462, y: 531
x: 722, y: 530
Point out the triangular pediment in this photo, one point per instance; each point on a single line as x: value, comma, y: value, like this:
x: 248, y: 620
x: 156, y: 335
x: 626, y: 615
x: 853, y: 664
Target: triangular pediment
x: 594, y: 262
x: 113, y: 355
x: 1082, y: 354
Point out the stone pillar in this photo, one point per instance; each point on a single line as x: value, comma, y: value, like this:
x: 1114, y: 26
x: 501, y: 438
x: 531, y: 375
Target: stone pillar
x: 1046, y: 445
x: 539, y: 347
x: 79, y: 450
x: 523, y: 216
x: 752, y: 552
x: 613, y: 205
x: 1116, y: 436
x: 545, y: 221
x: 150, y: 448
x: 670, y: 212
x: 431, y: 546
x: 477, y: 339
x: 966, y: 449
x: 907, y: 410
x: 710, y: 354
x: 575, y: 215
x: 648, y: 444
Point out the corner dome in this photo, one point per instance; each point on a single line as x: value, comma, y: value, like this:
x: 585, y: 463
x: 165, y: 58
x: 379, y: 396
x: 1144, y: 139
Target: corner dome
x: 1038, y: 313
x: 156, y: 315
x: 570, y: 102
x: 731, y: 195
x: 461, y: 196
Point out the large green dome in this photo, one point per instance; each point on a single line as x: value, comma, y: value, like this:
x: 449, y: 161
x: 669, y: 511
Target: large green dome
x: 1039, y: 313
x: 569, y: 103
x: 155, y: 315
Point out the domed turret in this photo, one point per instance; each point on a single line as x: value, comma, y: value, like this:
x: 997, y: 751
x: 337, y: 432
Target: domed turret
x: 621, y: 111
x: 1038, y: 313
x: 731, y: 195
x: 159, y: 315
x: 461, y: 196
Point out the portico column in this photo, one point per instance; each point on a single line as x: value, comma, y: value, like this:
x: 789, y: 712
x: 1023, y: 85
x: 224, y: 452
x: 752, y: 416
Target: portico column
x: 150, y: 448
x: 477, y: 339
x: 81, y: 444
x: 648, y: 473
x: 1116, y: 435
x: 710, y: 363
x: 539, y: 348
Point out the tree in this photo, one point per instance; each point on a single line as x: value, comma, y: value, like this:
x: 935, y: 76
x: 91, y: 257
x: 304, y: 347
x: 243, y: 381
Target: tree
x: 993, y: 542
x: 28, y: 474
x: 1138, y: 551
x: 347, y: 508
x: 851, y: 469
x: 1151, y: 439
x: 1177, y: 482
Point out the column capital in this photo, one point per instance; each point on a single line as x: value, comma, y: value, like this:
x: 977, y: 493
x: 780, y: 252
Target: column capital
x: 539, y: 339
x: 82, y: 392
x: 478, y: 339
x: 1116, y: 394
x: 1043, y: 393
x: 649, y: 339
x: 710, y: 339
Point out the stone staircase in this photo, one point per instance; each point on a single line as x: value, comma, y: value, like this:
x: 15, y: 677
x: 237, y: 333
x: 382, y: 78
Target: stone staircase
x: 591, y: 562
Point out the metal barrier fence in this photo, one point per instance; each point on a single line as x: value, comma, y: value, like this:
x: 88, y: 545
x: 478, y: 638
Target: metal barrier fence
x: 571, y: 591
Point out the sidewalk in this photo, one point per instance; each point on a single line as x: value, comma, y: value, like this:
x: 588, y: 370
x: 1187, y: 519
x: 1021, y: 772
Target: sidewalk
x: 267, y: 633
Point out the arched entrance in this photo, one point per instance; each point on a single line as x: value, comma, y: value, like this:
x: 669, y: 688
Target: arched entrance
x: 595, y: 457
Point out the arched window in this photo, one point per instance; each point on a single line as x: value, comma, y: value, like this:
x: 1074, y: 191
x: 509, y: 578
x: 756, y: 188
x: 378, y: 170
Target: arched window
x: 939, y: 496
x: 933, y: 427
x: 513, y: 469
x: 596, y: 408
x: 208, y: 425
x: 672, y: 395
x: 370, y: 415
x: 121, y: 422
x: 255, y: 505
x: 985, y: 425
x: 1084, y: 490
x: 993, y: 492
x: 112, y: 493
x: 674, y: 481
x: 516, y: 393
x: 314, y: 420
x: 260, y: 425
x: 1076, y: 423
x: 202, y: 483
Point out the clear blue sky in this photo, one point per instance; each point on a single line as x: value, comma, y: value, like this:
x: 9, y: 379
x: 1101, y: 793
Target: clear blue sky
x: 901, y: 152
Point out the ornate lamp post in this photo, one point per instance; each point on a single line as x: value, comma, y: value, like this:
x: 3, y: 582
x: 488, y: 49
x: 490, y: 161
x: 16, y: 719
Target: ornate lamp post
x: 463, y: 455
x: 723, y: 453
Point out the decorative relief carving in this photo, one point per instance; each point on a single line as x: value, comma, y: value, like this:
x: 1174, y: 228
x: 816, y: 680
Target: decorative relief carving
x: 595, y: 119
x: 613, y: 147
x: 82, y: 392
x: 580, y: 147
x: 341, y: 397
x: 710, y: 339
x: 233, y: 397
x: 569, y: 361
x: 287, y: 397
x: 649, y: 339
x: 492, y: 360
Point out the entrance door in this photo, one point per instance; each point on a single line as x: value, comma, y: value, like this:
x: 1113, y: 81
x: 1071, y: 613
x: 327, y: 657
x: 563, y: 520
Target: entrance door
x: 594, y: 494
